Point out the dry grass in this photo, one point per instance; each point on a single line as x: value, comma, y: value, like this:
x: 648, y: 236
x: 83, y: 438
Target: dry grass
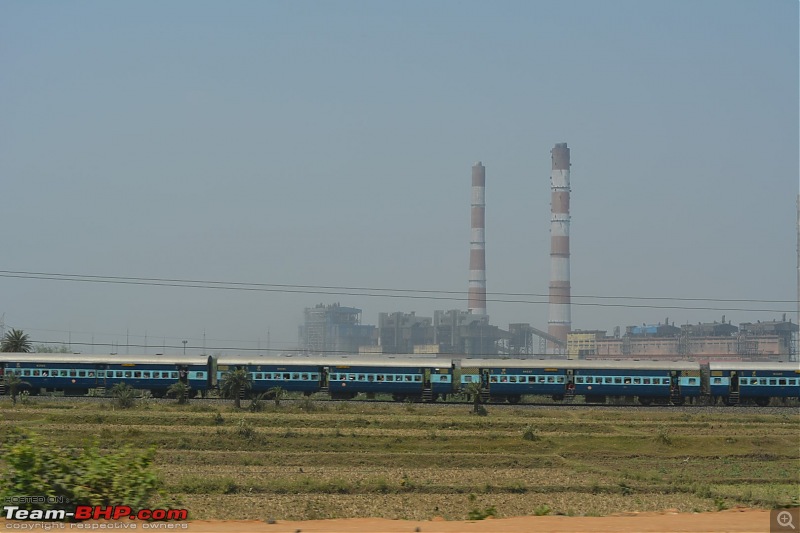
x: 416, y: 462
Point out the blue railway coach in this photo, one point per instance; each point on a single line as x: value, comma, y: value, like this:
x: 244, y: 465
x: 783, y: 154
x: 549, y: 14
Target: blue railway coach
x: 292, y: 374
x: 415, y: 378
x: 75, y: 374
x: 741, y: 382
x: 649, y: 381
x: 509, y: 379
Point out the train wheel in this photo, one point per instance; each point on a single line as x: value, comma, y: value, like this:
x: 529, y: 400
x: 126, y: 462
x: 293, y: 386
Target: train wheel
x: 678, y: 400
x: 644, y: 400
x: 398, y: 397
x: 514, y: 399
x: 762, y: 402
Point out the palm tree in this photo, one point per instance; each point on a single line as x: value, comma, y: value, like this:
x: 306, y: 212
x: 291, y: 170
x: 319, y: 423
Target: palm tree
x: 474, y: 391
x: 277, y: 394
x: 180, y: 390
x: 124, y: 395
x: 15, y: 341
x: 234, y: 383
x: 13, y: 383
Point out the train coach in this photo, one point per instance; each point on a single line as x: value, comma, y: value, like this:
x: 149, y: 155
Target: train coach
x: 508, y: 379
x: 76, y: 374
x: 292, y: 374
x: 741, y: 382
x: 343, y: 377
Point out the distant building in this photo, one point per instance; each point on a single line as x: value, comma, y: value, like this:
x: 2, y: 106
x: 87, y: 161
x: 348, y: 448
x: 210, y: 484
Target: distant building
x: 701, y: 342
x: 333, y: 329
x: 448, y: 332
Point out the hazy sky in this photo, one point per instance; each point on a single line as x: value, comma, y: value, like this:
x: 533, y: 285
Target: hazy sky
x: 331, y: 143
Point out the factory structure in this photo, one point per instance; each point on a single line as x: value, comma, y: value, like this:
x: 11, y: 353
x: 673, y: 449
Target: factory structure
x: 332, y: 329
x: 715, y: 341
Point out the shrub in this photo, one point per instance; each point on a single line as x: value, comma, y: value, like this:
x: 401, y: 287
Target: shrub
x: 477, y: 514
x: 123, y: 394
x: 542, y: 510
x: 530, y: 434
x: 81, y: 476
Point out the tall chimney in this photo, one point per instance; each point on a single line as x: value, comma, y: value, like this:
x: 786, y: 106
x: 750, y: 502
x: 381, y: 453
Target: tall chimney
x: 477, y: 241
x: 559, y: 322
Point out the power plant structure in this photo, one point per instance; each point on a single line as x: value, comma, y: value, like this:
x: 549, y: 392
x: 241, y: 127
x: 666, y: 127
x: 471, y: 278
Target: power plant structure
x: 338, y: 329
x: 559, y: 321
x: 477, y: 252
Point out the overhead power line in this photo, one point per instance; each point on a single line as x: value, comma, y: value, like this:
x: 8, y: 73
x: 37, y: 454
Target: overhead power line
x: 377, y: 292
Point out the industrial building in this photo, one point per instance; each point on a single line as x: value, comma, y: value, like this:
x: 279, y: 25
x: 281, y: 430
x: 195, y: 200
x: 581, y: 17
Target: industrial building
x: 702, y: 342
x: 334, y: 329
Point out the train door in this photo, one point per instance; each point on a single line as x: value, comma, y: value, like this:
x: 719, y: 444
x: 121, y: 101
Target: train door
x: 674, y: 383
x: 485, y: 379
x: 323, y: 378
x: 734, y: 382
x: 426, y: 378
x: 183, y: 374
x: 570, y: 379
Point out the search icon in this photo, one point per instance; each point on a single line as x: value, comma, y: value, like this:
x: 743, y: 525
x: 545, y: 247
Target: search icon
x: 784, y: 519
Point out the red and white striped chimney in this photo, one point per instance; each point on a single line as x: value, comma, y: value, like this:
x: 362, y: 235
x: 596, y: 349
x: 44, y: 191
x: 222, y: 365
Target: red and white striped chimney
x: 559, y: 322
x: 477, y: 241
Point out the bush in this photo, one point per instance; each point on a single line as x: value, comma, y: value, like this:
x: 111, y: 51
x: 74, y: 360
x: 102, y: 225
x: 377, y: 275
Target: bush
x: 124, y: 396
x: 477, y: 514
x: 79, y: 476
x: 530, y: 434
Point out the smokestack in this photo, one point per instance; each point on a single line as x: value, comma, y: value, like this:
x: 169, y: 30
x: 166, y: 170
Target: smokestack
x: 477, y: 241
x: 559, y: 322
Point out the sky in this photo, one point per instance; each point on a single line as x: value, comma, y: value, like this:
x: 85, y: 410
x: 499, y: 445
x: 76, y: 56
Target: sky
x: 331, y: 143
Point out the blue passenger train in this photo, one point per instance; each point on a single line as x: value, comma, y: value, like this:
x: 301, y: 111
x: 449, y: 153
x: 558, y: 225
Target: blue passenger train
x: 418, y: 378
x: 738, y: 382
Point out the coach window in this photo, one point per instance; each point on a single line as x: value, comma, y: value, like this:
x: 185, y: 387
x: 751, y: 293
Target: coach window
x: 73, y: 373
x: 781, y: 382
x: 304, y: 376
x: 35, y: 372
x: 493, y: 379
x: 174, y: 375
x: 101, y: 374
x: 82, y: 374
x: 137, y: 374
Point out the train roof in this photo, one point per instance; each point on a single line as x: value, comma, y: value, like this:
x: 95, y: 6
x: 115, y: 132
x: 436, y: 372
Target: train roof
x: 770, y: 366
x: 393, y: 360
x: 115, y: 359
x: 574, y: 364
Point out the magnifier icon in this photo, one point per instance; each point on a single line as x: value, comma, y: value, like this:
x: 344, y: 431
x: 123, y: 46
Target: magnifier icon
x: 784, y: 519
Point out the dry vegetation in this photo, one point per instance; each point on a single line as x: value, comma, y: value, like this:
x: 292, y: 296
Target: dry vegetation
x: 306, y: 460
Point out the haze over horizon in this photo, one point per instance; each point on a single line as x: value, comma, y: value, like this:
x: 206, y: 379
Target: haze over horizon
x: 331, y: 144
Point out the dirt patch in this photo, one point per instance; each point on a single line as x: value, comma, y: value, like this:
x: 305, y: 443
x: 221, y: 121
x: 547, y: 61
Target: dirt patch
x: 731, y: 521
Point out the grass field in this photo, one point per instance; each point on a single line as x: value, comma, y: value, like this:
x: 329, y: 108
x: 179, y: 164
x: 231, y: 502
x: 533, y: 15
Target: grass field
x: 313, y: 460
